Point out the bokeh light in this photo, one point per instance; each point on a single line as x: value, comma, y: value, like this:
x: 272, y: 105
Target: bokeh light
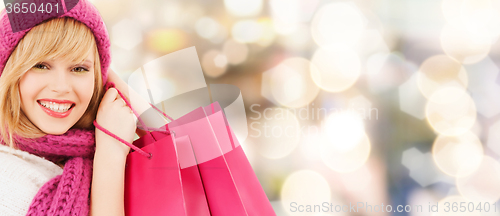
x: 464, y: 46
x: 247, y: 31
x: 235, y: 52
x: 358, y: 180
x: 305, y: 187
x: 452, y: 11
x: 285, y: 15
x: 484, y: 87
x: 386, y: 71
x: 311, y: 144
x: 481, y: 17
x: 438, y: 72
x: 268, y: 34
x: 411, y: 100
x: 214, y: 63
x: 477, y: 22
x: 371, y: 42
x: 211, y: 29
x: 458, y: 156
x: 112, y: 10
x: 291, y: 83
x: 336, y: 67
x: 346, y: 146
x: 293, y: 11
x: 342, y: 161
x: 483, y: 184
x: 181, y: 13
x: 123, y: 60
x: 451, y: 111
x: 278, y: 132
x: 127, y: 34
x: 423, y: 169
x: 493, y: 139
x: 363, y: 106
x: 344, y: 130
x: 299, y: 40
x: 338, y: 22
x: 166, y: 40
x: 288, y: 14
x: 375, y: 62
x: 207, y: 27
x: 284, y: 28
x: 478, y: 17
x: 243, y: 8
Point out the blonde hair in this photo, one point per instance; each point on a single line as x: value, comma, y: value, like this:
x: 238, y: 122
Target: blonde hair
x: 64, y: 38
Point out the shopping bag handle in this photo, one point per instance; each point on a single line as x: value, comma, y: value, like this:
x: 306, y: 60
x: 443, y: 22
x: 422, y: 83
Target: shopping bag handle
x: 146, y: 154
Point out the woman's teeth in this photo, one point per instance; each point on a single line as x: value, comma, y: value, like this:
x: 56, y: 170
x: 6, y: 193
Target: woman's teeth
x: 56, y: 107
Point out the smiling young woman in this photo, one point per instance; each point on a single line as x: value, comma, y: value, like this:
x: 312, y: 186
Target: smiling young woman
x: 51, y: 90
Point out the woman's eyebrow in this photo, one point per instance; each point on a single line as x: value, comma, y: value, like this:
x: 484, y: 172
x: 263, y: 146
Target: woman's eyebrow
x: 90, y: 62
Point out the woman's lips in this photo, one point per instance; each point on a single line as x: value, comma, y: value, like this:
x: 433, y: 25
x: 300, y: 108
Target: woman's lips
x: 54, y: 113
x: 56, y: 101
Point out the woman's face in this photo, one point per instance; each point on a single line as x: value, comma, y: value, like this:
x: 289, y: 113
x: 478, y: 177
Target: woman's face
x: 55, y: 93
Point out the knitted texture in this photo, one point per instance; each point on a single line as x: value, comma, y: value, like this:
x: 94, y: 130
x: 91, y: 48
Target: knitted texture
x: 83, y: 11
x: 66, y: 194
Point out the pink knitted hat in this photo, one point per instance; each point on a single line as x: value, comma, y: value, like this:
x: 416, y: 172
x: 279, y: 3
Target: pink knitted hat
x: 13, y: 26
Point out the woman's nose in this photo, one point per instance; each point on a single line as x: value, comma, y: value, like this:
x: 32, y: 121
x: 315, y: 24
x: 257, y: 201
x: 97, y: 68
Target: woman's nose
x: 60, y: 82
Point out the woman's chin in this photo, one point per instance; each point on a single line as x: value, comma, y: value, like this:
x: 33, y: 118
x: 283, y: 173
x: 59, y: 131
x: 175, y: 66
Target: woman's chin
x: 55, y: 131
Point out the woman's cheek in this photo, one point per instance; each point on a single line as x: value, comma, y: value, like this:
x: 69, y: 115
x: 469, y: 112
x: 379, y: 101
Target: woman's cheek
x: 30, y: 86
x: 85, y: 88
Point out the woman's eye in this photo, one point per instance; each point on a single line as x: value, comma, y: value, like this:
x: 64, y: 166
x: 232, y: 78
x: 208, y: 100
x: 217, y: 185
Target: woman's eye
x: 80, y: 70
x: 40, y: 66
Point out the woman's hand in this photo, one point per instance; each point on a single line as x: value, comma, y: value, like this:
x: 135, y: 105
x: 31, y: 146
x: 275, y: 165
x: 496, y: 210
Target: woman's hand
x: 115, y: 116
x: 110, y: 156
x: 123, y: 87
x: 138, y: 103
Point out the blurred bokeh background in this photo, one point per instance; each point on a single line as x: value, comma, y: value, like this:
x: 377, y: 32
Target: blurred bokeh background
x: 392, y: 102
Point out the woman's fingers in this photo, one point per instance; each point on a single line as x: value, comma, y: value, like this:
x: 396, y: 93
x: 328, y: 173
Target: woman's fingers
x: 121, y: 101
x: 110, y: 96
x: 113, y: 96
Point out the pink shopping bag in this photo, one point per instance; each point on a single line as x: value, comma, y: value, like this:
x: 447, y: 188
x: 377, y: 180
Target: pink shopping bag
x: 153, y: 184
x: 194, y: 192
x: 251, y: 193
x: 229, y: 181
x: 166, y: 183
